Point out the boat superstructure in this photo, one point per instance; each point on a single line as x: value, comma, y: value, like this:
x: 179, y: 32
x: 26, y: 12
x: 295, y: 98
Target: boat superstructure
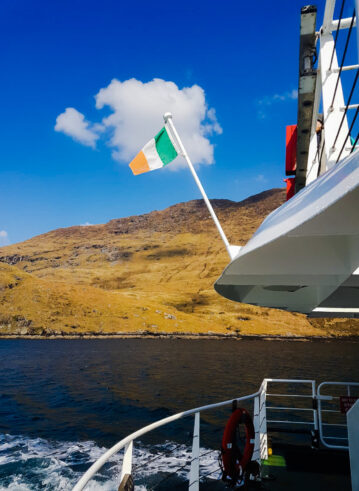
x: 305, y: 255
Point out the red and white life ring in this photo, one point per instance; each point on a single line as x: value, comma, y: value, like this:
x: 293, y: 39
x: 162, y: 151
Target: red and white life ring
x: 234, y: 461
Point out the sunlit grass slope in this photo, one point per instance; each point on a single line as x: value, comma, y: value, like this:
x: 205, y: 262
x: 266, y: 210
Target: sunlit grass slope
x: 152, y: 273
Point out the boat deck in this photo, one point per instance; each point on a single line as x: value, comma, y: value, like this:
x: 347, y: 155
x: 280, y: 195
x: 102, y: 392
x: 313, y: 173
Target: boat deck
x: 300, y: 467
x: 290, y: 468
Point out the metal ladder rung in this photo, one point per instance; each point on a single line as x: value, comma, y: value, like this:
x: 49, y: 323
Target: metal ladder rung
x: 352, y: 106
x: 345, y: 68
x: 344, y: 23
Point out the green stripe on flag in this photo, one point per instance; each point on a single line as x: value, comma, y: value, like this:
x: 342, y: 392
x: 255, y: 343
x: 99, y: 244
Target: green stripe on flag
x: 164, y: 147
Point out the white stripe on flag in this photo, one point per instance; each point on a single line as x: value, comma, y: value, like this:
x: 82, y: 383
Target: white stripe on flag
x: 153, y: 159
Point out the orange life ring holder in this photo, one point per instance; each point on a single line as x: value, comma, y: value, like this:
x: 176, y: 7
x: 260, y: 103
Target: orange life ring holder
x: 234, y: 462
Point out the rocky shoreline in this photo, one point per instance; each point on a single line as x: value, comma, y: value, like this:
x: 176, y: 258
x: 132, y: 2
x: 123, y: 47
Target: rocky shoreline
x: 179, y: 335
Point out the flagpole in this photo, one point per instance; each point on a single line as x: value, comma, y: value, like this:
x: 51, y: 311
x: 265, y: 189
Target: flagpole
x: 230, y: 249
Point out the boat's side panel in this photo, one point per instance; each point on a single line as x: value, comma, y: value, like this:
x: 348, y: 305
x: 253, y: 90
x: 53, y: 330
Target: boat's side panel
x: 301, y: 267
x: 309, y: 202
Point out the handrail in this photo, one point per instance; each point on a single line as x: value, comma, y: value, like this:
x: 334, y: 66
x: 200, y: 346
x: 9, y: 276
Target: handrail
x: 142, y: 431
x: 354, y: 384
x: 320, y: 398
x: 157, y: 424
x: 261, y: 393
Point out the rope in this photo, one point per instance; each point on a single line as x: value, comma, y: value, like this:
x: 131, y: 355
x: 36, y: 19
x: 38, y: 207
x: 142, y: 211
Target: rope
x: 169, y: 475
x: 336, y: 34
x: 346, y: 107
x: 181, y: 468
x: 349, y: 132
x: 343, y: 58
x: 315, y: 158
x: 153, y: 459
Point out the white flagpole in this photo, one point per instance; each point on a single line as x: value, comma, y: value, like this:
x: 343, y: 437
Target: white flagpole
x: 232, y: 250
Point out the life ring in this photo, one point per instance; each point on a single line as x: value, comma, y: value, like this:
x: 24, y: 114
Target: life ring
x: 234, y: 462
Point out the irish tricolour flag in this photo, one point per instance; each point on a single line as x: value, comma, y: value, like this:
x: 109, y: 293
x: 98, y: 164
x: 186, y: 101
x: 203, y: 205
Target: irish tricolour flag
x: 158, y: 152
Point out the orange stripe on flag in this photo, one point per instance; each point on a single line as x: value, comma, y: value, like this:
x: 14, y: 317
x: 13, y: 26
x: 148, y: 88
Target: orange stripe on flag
x: 139, y: 164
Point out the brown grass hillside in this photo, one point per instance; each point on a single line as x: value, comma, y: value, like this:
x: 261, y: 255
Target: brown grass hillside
x: 151, y: 273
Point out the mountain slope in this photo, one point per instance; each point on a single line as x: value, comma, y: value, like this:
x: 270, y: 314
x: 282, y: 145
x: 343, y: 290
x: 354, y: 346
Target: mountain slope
x: 153, y: 273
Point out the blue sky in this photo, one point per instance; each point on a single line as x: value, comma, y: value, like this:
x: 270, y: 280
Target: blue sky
x: 59, y: 54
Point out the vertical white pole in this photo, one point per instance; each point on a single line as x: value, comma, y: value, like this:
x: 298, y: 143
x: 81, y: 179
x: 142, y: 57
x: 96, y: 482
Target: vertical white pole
x: 328, y: 15
x: 256, y: 422
x: 263, y: 436
x: 168, y: 120
x: 314, y: 152
x: 127, y: 460
x: 194, y: 472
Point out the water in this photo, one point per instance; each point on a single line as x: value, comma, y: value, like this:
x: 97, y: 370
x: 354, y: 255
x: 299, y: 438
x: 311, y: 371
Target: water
x: 64, y: 402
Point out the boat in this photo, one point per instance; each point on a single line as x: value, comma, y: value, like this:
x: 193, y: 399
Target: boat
x: 299, y: 434
x: 305, y: 255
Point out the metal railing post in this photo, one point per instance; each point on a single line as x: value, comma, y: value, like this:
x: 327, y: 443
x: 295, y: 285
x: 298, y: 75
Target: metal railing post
x: 256, y: 424
x: 127, y: 460
x: 315, y: 407
x: 194, y: 471
x: 263, y: 436
x: 315, y: 431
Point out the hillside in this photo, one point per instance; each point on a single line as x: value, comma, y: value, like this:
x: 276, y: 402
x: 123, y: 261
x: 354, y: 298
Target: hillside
x: 151, y: 273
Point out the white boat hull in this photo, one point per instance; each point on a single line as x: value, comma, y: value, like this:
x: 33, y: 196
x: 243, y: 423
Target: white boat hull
x: 305, y: 250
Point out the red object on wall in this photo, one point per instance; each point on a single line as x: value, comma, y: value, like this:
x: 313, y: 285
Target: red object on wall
x: 291, y: 150
x: 290, y: 187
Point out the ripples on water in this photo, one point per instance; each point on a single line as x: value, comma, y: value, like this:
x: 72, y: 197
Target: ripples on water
x: 36, y: 463
x: 63, y: 402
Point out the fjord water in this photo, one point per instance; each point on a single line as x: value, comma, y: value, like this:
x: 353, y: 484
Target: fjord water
x: 63, y: 402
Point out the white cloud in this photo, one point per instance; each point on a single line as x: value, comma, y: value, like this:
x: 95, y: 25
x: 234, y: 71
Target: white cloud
x: 86, y: 224
x: 261, y: 178
x: 136, y: 116
x: 4, y: 238
x: 267, y: 101
x: 73, y: 123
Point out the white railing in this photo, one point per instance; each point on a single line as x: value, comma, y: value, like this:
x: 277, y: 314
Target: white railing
x: 260, y: 421
x: 333, y: 411
x: 127, y: 443
x: 310, y: 395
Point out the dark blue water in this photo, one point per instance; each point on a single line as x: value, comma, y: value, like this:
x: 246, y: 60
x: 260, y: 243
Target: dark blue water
x: 63, y: 402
